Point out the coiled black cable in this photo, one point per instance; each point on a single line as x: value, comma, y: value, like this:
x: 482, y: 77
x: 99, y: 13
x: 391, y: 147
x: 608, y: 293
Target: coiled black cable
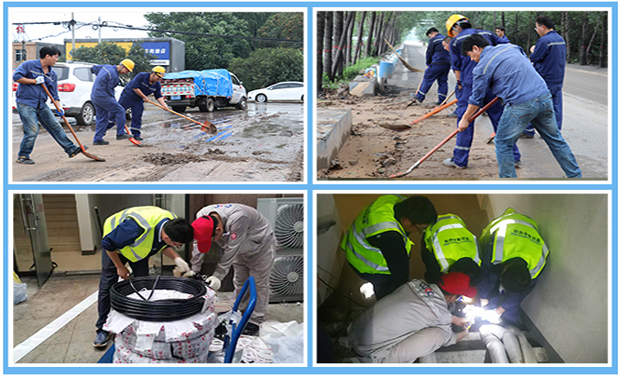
x: 160, y: 310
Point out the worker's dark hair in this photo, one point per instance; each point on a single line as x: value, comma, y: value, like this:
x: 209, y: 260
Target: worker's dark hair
x: 500, y: 28
x: 49, y: 50
x: 471, y: 41
x: 431, y: 30
x: 215, y: 222
x: 470, y: 268
x: 417, y: 209
x: 447, y: 39
x: 463, y: 23
x: 515, y: 277
x: 546, y: 21
x: 179, y: 230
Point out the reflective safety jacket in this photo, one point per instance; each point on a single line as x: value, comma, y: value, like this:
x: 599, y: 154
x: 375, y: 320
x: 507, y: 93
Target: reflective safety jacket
x: 377, y: 218
x: 146, y: 217
x: 450, y: 241
x: 516, y: 235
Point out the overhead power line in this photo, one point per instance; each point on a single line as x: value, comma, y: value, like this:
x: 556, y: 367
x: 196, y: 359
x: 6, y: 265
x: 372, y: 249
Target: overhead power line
x: 130, y: 27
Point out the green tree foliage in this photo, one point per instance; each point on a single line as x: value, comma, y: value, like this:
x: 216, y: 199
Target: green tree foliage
x: 205, y: 52
x: 268, y: 66
x: 283, y: 26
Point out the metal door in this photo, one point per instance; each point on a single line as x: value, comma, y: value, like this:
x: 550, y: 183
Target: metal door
x: 33, y: 216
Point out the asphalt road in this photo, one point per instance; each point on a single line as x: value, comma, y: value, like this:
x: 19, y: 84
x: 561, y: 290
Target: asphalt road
x: 262, y: 144
x: 586, y: 125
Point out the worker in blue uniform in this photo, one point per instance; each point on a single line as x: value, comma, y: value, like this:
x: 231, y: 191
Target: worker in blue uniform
x: 135, y: 94
x: 459, y: 28
x: 108, y: 111
x: 549, y: 59
x: 31, y: 102
x: 500, y: 31
x: 506, y: 70
x: 437, y: 68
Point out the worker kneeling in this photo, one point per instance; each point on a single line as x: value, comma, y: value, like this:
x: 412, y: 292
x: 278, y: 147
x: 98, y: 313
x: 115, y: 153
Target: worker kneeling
x: 411, y: 322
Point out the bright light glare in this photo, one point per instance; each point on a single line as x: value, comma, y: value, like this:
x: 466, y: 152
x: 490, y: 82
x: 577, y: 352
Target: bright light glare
x: 367, y: 290
x: 466, y: 300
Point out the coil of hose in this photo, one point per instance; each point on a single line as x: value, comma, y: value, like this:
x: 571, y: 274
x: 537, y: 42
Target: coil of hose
x: 160, y: 310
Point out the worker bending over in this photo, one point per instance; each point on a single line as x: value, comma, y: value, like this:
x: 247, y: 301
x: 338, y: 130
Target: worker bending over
x: 514, y: 254
x: 377, y: 244
x: 411, y: 322
x: 135, y: 94
x: 459, y: 28
x: 132, y: 236
x: 437, y: 68
x: 108, y: 110
x: 508, y: 73
x: 247, y: 242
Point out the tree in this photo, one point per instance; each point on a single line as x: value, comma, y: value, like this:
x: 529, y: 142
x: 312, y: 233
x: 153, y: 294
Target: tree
x: 283, y: 26
x: 320, y: 30
x: 327, y: 42
x: 360, y: 36
x: 268, y: 66
x: 208, y: 51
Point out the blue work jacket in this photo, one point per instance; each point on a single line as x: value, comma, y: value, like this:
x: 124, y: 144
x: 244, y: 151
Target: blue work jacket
x: 507, y: 72
x: 141, y: 81
x: 549, y: 58
x: 107, y: 79
x: 435, y: 53
x: 31, y: 94
x: 463, y: 63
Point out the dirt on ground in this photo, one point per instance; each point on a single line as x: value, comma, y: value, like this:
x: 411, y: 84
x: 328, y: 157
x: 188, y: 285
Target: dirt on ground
x: 373, y: 151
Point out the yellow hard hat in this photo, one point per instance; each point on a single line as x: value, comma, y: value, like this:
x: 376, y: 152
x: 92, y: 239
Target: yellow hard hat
x: 160, y: 71
x: 452, y: 20
x: 128, y: 64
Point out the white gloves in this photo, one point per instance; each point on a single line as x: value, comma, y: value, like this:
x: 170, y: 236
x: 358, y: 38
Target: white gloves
x: 214, y: 283
x: 39, y: 80
x: 189, y: 274
x: 182, y: 267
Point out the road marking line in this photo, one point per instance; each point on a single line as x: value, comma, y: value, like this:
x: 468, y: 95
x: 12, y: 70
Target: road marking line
x: 39, y: 337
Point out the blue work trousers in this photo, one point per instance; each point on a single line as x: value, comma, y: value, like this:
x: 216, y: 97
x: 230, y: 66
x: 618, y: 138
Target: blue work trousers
x: 538, y: 111
x: 137, y: 108
x: 108, y: 110
x: 557, y: 108
x: 435, y: 72
x: 31, y: 117
x: 464, y: 139
x: 109, y: 276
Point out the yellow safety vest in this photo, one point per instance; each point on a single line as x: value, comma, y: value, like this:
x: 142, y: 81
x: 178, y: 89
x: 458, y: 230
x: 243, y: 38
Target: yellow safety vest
x: 516, y: 235
x: 146, y: 217
x: 377, y: 218
x: 451, y: 241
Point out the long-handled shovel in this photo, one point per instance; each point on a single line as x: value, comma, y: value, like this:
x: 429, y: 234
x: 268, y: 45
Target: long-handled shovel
x: 403, y: 127
x: 206, y: 127
x: 133, y: 140
x: 491, y: 103
x: 71, y: 129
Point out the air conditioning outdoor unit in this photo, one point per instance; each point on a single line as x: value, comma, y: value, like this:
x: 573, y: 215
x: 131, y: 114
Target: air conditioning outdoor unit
x: 286, y: 215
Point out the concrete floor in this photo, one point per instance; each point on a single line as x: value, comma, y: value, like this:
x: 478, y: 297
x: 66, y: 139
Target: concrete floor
x: 73, y: 342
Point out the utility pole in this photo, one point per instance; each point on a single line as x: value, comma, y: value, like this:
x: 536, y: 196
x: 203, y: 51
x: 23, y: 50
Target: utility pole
x: 72, y: 25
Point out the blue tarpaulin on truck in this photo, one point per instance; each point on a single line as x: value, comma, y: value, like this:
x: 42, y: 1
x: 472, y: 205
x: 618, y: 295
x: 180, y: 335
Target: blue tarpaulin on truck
x: 212, y: 82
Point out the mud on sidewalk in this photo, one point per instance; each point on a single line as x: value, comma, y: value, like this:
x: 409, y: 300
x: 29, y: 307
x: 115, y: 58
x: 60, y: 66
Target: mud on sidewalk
x: 374, y: 152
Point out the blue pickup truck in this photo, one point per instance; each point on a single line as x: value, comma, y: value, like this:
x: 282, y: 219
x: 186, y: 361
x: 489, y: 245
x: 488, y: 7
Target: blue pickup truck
x: 207, y: 90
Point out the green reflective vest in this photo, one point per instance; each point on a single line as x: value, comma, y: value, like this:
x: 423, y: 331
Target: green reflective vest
x: 147, y: 217
x: 451, y: 241
x: 516, y: 235
x: 377, y: 218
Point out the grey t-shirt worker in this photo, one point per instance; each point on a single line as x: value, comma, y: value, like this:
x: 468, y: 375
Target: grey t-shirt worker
x: 246, y: 239
x: 411, y: 322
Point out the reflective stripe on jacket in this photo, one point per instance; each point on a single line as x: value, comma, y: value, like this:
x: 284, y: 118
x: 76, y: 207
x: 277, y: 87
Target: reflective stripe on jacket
x: 516, y: 235
x: 377, y: 218
x: 146, y: 217
x: 451, y: 241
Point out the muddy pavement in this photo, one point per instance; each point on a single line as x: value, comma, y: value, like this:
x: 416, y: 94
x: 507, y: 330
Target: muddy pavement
x: 263, y: 143
x: 373, y: 152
